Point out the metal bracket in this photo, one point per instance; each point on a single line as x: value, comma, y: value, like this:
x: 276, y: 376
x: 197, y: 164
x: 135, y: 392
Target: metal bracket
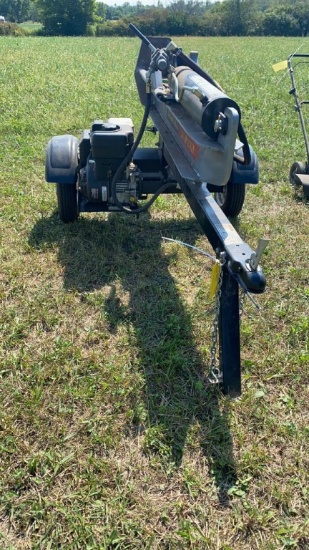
x: 256, y: 256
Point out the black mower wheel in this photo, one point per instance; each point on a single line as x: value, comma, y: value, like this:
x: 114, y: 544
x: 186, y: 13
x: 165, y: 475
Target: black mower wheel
x: 296, y: 168
x: 231, y: 199
x: 67, y: 202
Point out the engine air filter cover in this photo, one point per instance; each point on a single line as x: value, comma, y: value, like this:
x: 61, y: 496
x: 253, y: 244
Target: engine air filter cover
x: 110, y: 140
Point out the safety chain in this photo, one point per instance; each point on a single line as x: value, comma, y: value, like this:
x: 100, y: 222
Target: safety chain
x: 215, y: 373
x: 242, y: 298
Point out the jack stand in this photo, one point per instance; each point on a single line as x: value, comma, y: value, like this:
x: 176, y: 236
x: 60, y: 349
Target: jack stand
x: 229, y: 335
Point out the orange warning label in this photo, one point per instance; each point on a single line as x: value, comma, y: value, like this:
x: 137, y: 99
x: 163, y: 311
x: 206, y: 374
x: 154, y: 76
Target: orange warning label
x: 188, y: 142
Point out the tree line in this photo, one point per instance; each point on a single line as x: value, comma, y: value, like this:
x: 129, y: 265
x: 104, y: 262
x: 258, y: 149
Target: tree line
x: 179, y: 17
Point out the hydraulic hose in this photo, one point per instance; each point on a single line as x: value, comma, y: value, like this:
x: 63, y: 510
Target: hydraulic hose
x: 126, y: 161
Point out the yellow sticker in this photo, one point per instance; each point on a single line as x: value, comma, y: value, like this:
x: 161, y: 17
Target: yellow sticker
x: 280, y: 66
x: 214, y: 279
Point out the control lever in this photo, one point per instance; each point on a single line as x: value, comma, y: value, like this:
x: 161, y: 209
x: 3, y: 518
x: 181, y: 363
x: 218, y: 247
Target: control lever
x: 143, y: 38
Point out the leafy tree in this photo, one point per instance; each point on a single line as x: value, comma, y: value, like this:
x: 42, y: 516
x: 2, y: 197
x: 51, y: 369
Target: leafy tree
x: 301, y: 14
x: 101, y: 10
x: 191, y: 7
x: 206, y: 18
x: 280, y: 21
x: 15, y: 10
x: 4, y: 8
x: 118, y: 12
x: 69, y: 18
x: 233, y: 17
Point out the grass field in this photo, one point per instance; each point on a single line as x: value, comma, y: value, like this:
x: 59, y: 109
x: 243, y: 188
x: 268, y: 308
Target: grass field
x: 109, y: 437
x: 31, y: 27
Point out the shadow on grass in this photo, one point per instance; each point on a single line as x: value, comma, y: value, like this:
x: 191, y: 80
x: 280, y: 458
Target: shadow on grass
x: 97, y: 254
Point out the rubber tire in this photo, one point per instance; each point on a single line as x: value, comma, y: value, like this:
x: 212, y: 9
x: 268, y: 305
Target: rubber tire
x: 296, y: 168
x: 306, y: 191
x: 67, y: 202
x: 231, y: 199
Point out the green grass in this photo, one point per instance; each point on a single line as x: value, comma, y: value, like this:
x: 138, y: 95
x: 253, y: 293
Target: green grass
x: 31, y: 26
x: 109, y: 437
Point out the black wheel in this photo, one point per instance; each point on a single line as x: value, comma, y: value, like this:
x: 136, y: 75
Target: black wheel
x: 231, y: 199
x: 296, y: 168
x: 306, y: 190
x: 67, y: 202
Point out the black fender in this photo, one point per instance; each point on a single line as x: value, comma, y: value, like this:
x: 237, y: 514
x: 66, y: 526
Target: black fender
x: 61, y: 159
x: 246, y: 173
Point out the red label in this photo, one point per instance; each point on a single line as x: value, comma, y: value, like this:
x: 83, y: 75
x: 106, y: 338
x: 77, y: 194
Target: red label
x: 188, y: 142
